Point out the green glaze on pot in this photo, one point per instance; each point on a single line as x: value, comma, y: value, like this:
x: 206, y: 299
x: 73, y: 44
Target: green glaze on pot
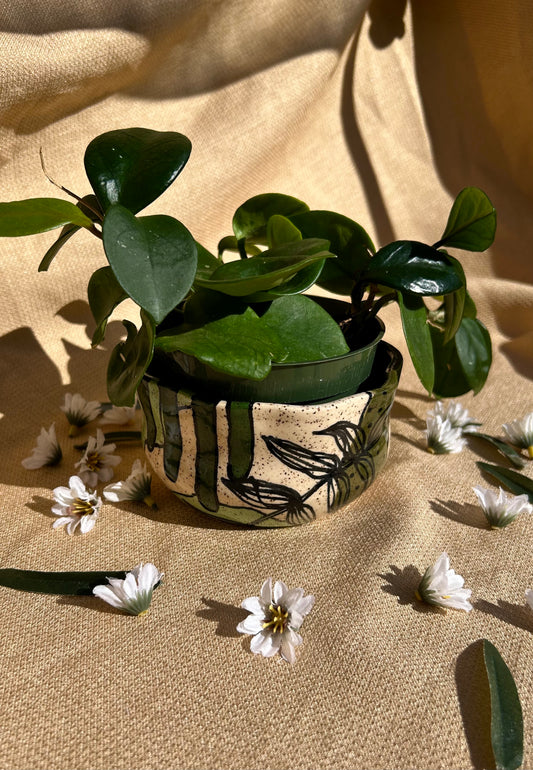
x: 266, y: 464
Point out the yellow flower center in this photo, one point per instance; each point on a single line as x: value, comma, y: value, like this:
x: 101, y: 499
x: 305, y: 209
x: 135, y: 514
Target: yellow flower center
x: 81, y: 507
x: 93, y: 461
x: 278, y: 619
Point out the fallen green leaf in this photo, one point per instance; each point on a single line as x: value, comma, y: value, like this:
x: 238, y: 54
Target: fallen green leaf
x: 507, y: 730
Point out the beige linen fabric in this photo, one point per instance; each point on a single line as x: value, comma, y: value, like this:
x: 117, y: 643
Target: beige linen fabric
x: 383, y: 112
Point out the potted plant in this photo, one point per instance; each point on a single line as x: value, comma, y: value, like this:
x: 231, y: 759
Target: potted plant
x: 255, y: 410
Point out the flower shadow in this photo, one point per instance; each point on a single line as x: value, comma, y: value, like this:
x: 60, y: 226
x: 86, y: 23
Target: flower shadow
x: 474, y: 701
x: 518, y: 615
x: 42, y: 505
x: 90, y: 603
x: 226, y: 615
x: 463, y: 513
x: 403, y: 583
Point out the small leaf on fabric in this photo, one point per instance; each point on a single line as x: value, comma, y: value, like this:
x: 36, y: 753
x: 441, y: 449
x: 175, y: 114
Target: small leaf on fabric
x: 516, y: 482
x: 507, y: 730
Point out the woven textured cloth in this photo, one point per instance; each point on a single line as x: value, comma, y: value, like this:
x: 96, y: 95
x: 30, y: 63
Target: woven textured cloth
x: 381, y: 111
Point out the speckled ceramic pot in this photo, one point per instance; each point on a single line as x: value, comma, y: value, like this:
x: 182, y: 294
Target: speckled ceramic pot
x: 270, y: 465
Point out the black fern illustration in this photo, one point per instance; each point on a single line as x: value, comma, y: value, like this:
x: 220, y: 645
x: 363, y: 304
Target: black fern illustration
x: 324, y: 468
x: 277, y: 499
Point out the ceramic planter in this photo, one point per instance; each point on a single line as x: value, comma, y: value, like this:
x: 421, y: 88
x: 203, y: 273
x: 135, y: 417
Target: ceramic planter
x: 266, y: 464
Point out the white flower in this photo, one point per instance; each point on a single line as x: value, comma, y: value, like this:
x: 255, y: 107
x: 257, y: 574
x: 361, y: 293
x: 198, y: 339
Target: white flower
x: 442, y: 437
x: 98, y: 461
x: 501, y: 509
x: 443, y: 588
x: 520, y: 433
x: 134, y: 593
x: 76, y: 505
x: 79, y: 411
x: 47, y: 451
x: 136, y: 487
x: 276, y: 617
x: 456, y: 414
x: 118, y: 415
x: 529, y: 597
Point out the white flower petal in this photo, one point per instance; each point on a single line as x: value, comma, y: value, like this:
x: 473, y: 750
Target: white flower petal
x: 252, y: 624
x: 253, y: 604
x: 280, y: 589
x: 529, y: 597
x: 265, y: 593
x: 109, y: 596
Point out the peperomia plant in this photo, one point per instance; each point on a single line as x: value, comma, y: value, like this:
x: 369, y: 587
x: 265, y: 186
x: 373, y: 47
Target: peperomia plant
x: 242, y: 315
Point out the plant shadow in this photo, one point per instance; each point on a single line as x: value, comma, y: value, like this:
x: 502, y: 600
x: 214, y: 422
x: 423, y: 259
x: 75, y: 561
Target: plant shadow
x: 517, y: 615
x: 474, y: 701
x: 463, y: 513
x: 226, y: 615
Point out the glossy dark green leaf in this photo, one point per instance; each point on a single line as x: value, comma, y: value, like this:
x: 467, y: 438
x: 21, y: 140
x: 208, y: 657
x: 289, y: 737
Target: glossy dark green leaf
x: 413, y: 268
x: 66, y: 233
x: 38, y: 215
x: 129, y: 361
x: 299, y: 283
x: 153, y: 258
x: 104, y: 294
x: 306, y: 331
x: 474, y: 351
x: 239, y: 345
x: 207, y: 262
x: 230, y: 243
x: 454, y: 304
x: 134, y: 166
x: 90, y: 207
x: 506, y: 722
x: 65, y: 583
x: 450, y: 380
x: 418, y: 337
x: 280, y: 230
x: 472, y: 222
x: 250, y: 219
x: 516, y: 482
x: 272, y: 268
x: 470, y: 310
x: 348, y: 241
x: 502, y: 446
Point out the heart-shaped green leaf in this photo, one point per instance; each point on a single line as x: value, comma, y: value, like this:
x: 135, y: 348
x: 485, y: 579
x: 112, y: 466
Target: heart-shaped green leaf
x: 134, y: 166
x: 418, y: 337
x: 272, y: 268
x: 454, y: 304
x: 299, y: 283
x: 153, y: 258
x: 506, y: 721
x: 280, y: 230
x: 413, y: 268
x: 37, y: 215
x: 207, y: 262
x: 250, y: 220
x: 104, y: 294
x: 129, y: 361
x: 306, y: 331
x: 348, y: 241
x: 239, y: 345
x: 472, y: 222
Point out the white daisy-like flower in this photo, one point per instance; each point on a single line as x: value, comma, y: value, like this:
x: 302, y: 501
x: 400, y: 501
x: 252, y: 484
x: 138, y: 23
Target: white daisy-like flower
x: 98, y: 461
x: 501, y: 509
x: 442, y: 437
x: 275, y: 619
x: 47, y: 451
x: 134, y: 593
x: 441, y: 587
x: 118, y: 415
x: 79, y: 412
x: 76, y: 505
x: 456, y: 414
x: 529, y: 597
x: 136, y: 487
x: 520, y: 433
